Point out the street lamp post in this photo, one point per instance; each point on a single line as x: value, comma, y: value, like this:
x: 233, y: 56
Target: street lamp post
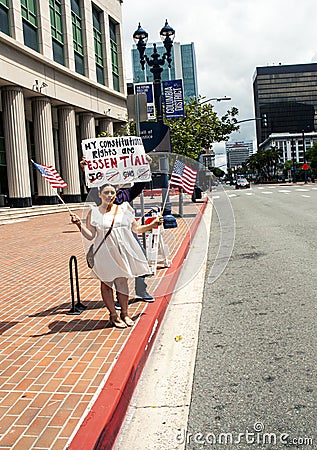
x: 248, y: 120
x: 218, y: 99
x: 293, y: 148
x: 304, y: 155
x: 156, y: 63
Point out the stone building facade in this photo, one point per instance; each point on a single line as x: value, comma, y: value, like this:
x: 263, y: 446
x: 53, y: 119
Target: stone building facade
x: 61, y: 81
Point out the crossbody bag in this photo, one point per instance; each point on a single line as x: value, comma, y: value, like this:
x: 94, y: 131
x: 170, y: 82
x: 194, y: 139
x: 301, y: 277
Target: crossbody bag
x: 90, y: 256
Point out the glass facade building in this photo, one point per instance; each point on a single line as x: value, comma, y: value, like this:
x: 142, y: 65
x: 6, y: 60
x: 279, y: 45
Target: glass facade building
x: 183, y: 66
x: 285, y: 98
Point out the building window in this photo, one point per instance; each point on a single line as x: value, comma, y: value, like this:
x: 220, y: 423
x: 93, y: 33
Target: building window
x: 114, y: 55
x: 29, y: 23
x: 4, y: 17
x: 57, y: 31
x: 97, y: 29
x: 78, y: 37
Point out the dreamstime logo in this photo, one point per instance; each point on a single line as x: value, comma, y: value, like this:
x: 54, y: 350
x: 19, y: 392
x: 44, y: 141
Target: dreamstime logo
x: 247, y: 437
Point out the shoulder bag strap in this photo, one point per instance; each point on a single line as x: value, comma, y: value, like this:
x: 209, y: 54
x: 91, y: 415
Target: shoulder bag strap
x: 108, y: 232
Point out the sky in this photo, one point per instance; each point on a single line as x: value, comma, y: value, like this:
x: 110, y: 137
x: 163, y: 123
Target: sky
x: 231, y: 38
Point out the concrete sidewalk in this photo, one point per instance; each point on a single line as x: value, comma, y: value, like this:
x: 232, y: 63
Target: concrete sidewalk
x: 65, y: 380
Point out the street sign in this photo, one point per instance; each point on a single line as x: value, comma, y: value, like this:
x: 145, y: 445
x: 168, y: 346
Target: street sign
x: 137, y: 107
x: 147, y: 89
x: 305, y: 166
x: 155, y: 137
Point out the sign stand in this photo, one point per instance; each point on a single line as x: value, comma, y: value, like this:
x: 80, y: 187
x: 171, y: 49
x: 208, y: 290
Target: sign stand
x: 157, y: 250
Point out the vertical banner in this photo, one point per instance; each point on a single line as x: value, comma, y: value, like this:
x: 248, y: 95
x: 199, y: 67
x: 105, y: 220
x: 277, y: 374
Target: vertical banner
x: 173, y: 99
x: 147, y: 89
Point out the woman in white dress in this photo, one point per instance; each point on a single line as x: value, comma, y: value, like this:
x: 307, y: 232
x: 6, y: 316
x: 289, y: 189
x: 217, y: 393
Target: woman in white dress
x: 119, y: 256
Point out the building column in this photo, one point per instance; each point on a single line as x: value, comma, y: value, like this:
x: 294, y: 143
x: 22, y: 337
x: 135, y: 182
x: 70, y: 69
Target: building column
x: 87, y: 126
x: 16, y: 147
x: 69, y: 154
x: 44, y: 147
x: 106, y: 125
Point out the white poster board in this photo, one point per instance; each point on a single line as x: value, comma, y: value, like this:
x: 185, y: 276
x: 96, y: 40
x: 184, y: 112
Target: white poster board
x: 115, y: 160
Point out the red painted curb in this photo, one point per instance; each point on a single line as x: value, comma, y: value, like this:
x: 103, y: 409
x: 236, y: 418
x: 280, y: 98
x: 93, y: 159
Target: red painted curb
x: 102, y: 424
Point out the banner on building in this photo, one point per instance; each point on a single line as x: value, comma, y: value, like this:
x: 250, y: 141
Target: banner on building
x: 173, y: 99
x: 117, y: 160
x: 147, y: 89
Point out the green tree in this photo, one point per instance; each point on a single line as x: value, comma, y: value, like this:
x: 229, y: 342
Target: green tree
x: 217, y: 172
x: 200, y: 128
x: 311, y: 157
x: 264, y: 163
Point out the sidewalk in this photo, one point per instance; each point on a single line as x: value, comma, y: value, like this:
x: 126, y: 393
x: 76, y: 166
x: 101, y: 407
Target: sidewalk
x: 66, y: 380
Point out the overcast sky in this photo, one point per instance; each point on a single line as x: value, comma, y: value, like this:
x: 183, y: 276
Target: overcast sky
x: 231, y: 38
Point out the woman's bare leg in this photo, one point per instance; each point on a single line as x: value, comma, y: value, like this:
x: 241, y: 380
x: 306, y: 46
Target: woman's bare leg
x: 122, y: 291
x: 108, y: 299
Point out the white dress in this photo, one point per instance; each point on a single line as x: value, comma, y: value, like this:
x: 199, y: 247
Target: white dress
x: 120, y: 255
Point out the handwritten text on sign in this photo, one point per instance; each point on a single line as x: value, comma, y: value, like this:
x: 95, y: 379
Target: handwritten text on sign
x: 117, y: 160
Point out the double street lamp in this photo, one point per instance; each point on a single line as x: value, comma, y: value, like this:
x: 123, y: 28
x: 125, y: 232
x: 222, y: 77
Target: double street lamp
x: 156, y: 63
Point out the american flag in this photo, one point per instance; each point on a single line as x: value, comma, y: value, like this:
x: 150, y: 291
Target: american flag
x: 183, y: 176
x: 51, y: 175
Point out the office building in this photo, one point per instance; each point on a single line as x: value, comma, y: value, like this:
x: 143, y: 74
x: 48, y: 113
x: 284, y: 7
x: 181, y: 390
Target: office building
x: 285, y: 99
x: 238, y: 153
x: 61, y: 81
x: 183, y: 66
x: 290, y: 145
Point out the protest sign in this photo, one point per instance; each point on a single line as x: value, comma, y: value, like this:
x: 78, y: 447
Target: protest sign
x: 115, y: 160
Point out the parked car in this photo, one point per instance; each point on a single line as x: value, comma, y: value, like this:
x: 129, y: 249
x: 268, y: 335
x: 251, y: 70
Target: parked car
x: 242, y: 183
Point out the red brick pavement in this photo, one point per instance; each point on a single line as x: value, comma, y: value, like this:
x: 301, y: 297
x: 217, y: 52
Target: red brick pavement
x: 53, y: 365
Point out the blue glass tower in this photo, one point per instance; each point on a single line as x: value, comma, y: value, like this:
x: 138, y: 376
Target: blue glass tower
x: 183, y: 66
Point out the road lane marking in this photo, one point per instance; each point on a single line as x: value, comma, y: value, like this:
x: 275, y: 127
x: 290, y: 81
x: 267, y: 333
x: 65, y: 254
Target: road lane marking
x: 307, y: 196
x: 232, y: 195
x: 267, y: 192
x: 301, y: 190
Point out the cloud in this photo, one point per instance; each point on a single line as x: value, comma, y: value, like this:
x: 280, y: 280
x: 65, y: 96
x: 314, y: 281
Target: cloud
x: 231, y: 39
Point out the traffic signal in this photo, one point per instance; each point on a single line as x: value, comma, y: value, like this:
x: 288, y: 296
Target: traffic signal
x: 264, y: 120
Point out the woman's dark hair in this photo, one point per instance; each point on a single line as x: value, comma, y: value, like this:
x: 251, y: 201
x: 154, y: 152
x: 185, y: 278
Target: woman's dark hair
x: 100, y: 188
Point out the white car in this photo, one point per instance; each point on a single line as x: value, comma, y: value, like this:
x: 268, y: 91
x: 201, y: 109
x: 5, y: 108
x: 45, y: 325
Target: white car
x: 242, y: 183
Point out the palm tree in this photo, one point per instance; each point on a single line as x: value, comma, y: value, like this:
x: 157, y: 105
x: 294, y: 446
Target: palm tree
x: 264, y: 163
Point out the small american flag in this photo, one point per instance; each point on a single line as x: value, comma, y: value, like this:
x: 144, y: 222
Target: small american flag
x: 183, y: 176
x: 51, y: 175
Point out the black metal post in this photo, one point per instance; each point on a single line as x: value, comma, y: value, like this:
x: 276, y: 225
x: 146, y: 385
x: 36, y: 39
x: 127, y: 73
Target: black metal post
x: 78, y: 307
x: 304, y: 155
x: 293, y: 161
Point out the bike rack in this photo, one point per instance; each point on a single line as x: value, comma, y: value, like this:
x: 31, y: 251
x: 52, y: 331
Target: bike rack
x: 77, y: 308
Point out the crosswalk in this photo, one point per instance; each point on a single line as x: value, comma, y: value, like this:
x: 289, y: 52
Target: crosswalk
x: 305, y: 192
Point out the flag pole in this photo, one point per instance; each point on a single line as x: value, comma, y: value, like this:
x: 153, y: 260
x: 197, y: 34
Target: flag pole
x: 56, y: 193
x: 167, y: 192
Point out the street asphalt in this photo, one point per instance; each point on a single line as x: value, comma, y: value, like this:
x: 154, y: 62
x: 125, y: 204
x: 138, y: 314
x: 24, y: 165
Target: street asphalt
x: 255, y: 374
x: 234, y: 365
